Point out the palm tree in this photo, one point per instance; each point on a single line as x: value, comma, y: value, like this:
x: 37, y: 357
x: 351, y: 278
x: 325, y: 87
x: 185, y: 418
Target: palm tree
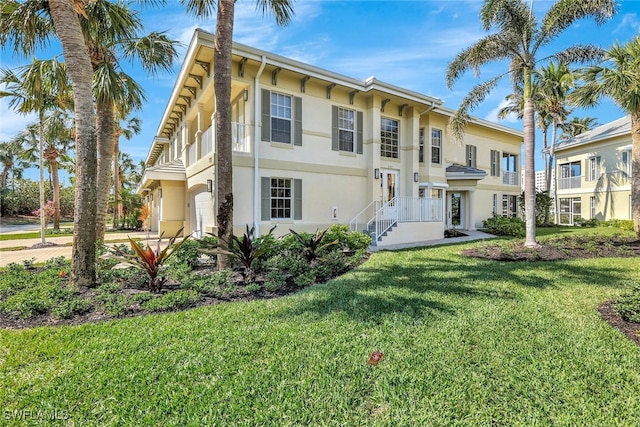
x: 618, y: 78
x: 38, y: 87
x: 576, y: 126
x: 131, y: 127
x: 555, y: 82
x: 12, y: 162
x: 282, y: 11
x: 519, y: 39
x: 111, y: 33
x: 58, y: 136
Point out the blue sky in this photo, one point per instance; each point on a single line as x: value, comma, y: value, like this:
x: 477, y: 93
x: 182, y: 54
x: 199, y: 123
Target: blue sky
x: 406, y: 43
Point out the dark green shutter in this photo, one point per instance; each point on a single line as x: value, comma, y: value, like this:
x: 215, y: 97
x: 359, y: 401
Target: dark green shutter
x: 359, y: 132
x: 335, y: 139
x: 474, y: 152
x: 266, y: 198
x: 467, y: 149
x: 297, y: 199
x: 297, y: 116
x: 499, y: 162
x: 266, y: 115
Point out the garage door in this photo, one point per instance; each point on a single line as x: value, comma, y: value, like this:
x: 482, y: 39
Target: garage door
x: 201, y: 203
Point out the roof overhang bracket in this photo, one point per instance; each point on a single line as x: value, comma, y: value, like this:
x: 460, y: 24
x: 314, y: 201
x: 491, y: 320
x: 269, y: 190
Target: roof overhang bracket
x: 329, y: 88
x: 383, y: 103
x: 352, y: 95
x: 182, y: 107
x: 197, y: 78
x: 274, y: 76
x: 241, y: 67
x: 303, y: 84
x: 401, y: 109
x: 191, y: 89
x: 186, y: 99
x: 205, y: 66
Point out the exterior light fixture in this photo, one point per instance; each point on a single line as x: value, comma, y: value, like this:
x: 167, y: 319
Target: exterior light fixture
x: 245, y: 95
x: 416, y: 177
x: 160, y: 193
x: 376, y: 173
x: 209, y: 186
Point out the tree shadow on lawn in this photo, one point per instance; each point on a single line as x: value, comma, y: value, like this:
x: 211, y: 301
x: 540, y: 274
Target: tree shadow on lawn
x: 417, y: 288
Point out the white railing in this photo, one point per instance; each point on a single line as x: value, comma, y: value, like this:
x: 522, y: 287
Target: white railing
x: 400, y: 210
x: 359, y: 222
x: 509, y: 178
x: 571, y: 182
x: 206, y: 142
x: 239, y: 138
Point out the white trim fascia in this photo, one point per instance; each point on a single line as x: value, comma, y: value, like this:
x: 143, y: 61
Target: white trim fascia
x: 478, y: 121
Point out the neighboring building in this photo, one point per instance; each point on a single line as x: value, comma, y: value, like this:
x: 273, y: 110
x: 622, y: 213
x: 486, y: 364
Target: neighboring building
x: 594, y: 170
x: 314, y: 148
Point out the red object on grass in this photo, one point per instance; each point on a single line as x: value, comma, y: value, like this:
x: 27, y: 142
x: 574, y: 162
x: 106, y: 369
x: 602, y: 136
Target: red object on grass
x: 375, y: 358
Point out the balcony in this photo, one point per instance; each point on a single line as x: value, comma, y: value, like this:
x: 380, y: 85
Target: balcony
x: 569, y: 183
x: 509, y: 178
x: 240, y: 140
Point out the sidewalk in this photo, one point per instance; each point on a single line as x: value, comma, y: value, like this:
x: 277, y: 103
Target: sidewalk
x: 62, y: 248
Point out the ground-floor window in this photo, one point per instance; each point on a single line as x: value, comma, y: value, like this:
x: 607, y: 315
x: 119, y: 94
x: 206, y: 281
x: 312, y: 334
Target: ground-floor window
x: 281, y: 198
x: 570, y: 210
x: 509, y: 206
x: 592, y: 203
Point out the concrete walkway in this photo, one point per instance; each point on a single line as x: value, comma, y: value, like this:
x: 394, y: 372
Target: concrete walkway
x: 62, y: 247
x: 471, y: 235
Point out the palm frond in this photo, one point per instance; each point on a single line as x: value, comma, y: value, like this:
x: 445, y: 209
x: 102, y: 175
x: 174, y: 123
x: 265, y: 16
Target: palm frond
x: 475, y: 96
x: 564, y: 13
x: 200, y: 8
x: 156, y: 51
x: 25, y: 26
x: 282, y: 10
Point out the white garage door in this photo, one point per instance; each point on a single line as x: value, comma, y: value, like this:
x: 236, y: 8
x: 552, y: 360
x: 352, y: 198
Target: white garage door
x: 201, y: 203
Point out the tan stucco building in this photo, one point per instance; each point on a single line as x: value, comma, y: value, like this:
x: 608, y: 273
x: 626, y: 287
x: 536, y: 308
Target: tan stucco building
x: 313, y: 148
x: 594, y: 170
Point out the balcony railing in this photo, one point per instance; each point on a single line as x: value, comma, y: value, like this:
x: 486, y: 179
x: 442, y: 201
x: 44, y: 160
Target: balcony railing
x: 191, y: 154
x: 509, y: 178
x: 206, y: 142
x: 239, y: 138
x: 567, y: 183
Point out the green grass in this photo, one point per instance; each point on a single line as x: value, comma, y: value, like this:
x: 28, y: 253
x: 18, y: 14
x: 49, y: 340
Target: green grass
x: 465, y: 342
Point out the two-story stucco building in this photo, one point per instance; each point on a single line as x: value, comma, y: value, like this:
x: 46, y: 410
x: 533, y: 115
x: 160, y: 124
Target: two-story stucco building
x: 313, y: 148
x: 594, y: 170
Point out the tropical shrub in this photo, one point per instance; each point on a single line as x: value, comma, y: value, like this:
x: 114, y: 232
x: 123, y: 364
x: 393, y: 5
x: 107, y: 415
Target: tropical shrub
x: 150, y: 260
x: 628, y: 304
x: 505, y: 226
x: 313, y: 244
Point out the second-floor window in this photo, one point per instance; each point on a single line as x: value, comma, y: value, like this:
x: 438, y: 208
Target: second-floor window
x: 626, y: 162
x: 509, y: 169
x: 495, y: 163
x: 594, y: 168
x: 389, y: 146
x: 346, y: 130
x: 281, y: 118
x: 436, y: 146
x: 470, y: 155
x: 570, y: 174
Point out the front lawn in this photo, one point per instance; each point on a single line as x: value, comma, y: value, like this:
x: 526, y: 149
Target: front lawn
x: 466, y: 341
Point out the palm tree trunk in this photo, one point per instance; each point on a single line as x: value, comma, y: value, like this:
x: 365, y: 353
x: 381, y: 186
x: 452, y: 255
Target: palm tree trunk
x: 222, y: 87
x: 55, y: 177
x: 117, y: 182
x: 105, y: 132
x: 43, y: 217
x: 635, y: 171
x: 67, y: 25
x: 529, y: 173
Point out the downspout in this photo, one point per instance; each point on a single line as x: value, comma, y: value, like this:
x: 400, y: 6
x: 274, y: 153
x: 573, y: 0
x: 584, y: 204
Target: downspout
x: 256, y: 145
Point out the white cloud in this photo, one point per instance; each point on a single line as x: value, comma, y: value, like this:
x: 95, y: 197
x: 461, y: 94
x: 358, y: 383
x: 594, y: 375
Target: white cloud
x: 492, y: 115
x: 629, y: 20
x: 12, y: 123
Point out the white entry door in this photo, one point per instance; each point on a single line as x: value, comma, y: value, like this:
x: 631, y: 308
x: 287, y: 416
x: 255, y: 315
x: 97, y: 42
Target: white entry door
x: 388, y: 191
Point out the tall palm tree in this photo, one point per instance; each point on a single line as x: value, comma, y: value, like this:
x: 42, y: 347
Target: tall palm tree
x: 37, y: 88
x: 112, y: 34
x: 12, y: 162
x: 25, y: 26
x: 576, y: 126
x: 519, y: 39
x: 555, y: 83
x: 58, y: 136
x: 618, y: 78
x: 282, y: 10
x: 127, y: 129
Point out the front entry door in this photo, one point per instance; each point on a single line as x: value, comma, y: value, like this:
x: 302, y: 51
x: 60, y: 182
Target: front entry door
x: 389, y: 190
x: 455, y: 210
